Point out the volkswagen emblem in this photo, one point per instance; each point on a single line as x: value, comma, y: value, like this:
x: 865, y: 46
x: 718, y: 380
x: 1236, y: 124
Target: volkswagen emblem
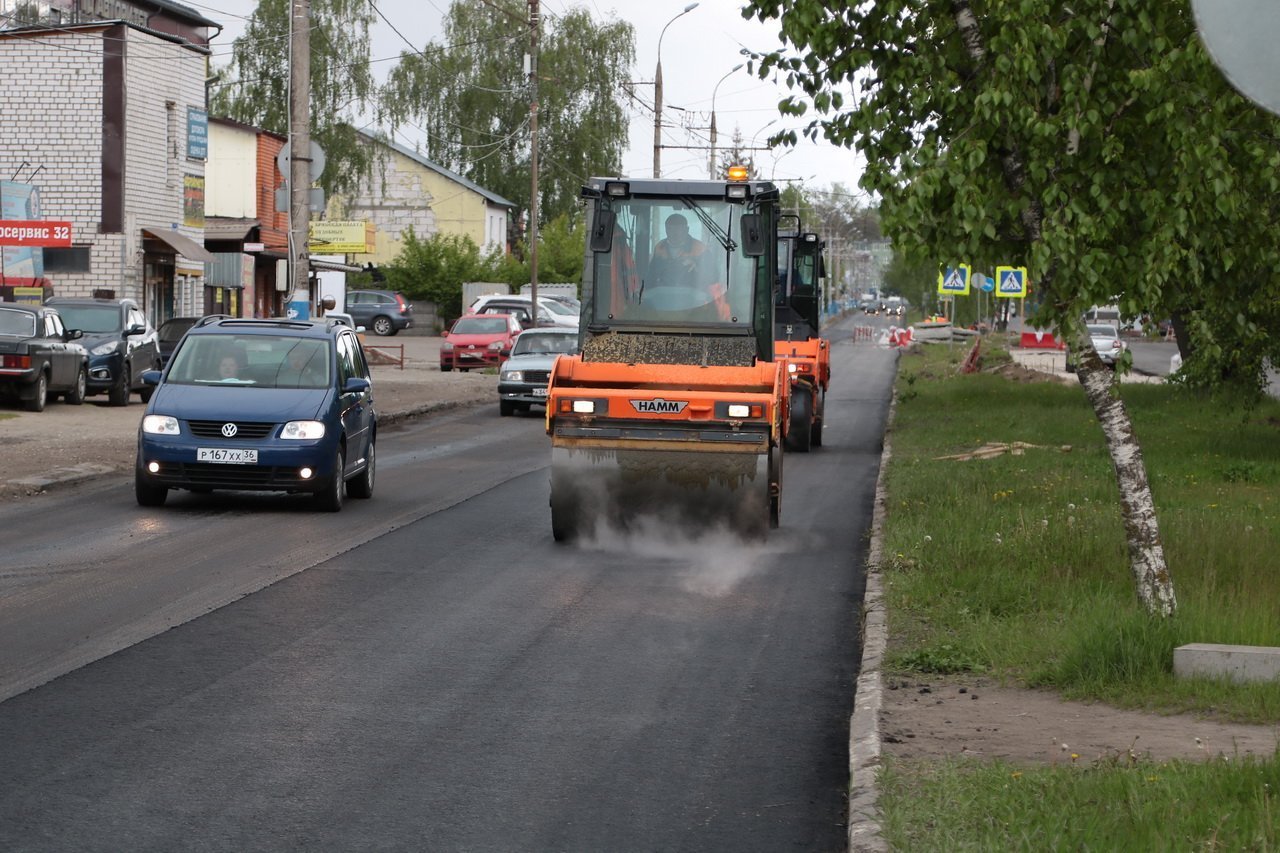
x: 229, y: 430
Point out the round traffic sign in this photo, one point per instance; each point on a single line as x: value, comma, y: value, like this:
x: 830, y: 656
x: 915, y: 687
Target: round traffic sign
x: 1240, y: 36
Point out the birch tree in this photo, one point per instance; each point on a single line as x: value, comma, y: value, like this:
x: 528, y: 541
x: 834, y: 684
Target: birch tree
x: 1092, y: 142
x: 254, y: 87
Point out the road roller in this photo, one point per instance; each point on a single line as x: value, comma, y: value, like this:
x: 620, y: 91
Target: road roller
x: 672, y: 413
x: 798, y: 343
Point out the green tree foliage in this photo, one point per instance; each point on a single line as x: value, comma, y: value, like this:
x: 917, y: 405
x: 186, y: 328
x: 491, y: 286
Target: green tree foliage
x: 471, y: 96
x: 254, y: 87
x: 1093, y: 142
x: 435, y: 269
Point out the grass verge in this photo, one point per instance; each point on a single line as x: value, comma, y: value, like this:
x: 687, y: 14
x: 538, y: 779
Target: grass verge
x: 1014, y: 564
x: 1117, y: 804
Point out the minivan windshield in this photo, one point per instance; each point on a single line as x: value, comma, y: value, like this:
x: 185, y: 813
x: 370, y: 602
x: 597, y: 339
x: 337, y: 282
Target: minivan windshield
x: 259, y: 361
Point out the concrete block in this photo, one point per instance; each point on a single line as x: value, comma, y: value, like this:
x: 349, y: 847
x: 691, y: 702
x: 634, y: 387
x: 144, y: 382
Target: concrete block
x: 1239, y: 663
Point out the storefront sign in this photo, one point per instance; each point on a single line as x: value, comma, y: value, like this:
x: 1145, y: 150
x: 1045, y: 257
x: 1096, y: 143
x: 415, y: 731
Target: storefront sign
x: 197, y: 134
x: 341, y: 238
x: 35, y: 232
x: 193, y: 201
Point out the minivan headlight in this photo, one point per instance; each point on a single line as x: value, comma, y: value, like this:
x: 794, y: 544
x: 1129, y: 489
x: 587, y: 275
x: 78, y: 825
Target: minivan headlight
x: 302, y: 430
x: 161, y: 425
x: 105, y: 349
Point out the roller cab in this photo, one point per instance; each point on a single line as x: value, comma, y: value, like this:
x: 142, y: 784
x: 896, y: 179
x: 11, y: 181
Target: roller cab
x: 674, y: 411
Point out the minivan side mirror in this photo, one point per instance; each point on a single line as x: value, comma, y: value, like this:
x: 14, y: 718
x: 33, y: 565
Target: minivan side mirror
x: 135, y: 329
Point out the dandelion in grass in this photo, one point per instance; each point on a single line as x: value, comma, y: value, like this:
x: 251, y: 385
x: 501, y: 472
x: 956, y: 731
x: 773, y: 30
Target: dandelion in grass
x: 928, y: 538
x: 1017, y: 774
x: 1071, y: 507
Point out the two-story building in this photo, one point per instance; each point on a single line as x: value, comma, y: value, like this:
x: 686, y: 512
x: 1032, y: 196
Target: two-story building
x: 408, y: 190
x: 107, y: 119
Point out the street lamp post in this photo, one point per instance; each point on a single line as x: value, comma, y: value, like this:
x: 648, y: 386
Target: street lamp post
x: 657, y: 96
x: 711, y: 166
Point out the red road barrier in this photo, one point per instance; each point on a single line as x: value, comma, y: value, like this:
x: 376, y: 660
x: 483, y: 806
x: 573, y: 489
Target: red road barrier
x: 1040, y: 340
x: 867, y: 333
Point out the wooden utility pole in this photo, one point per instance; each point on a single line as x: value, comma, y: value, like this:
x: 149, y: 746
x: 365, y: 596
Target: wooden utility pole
x: 533, y: 143
x: 299, y: 144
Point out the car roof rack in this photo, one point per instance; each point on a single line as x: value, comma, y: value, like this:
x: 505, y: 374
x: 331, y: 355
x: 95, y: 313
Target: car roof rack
x: 211, y: 318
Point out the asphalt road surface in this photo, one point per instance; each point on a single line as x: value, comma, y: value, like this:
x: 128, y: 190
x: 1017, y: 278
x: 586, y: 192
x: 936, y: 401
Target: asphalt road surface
x: 428, y: 670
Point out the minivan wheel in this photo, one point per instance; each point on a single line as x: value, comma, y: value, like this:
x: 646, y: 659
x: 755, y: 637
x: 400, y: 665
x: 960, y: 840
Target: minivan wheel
x: 361, y: 486
x: 146, y: 493
x: 331, y: 498
x: 382, y: 326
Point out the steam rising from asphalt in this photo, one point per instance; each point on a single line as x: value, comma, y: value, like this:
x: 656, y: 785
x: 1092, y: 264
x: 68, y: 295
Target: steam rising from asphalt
x: 711, y: 561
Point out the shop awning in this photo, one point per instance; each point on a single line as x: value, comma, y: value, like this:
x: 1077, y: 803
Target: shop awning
x: 333, y: 266
x: 228, y: 228
x: 180, y: 243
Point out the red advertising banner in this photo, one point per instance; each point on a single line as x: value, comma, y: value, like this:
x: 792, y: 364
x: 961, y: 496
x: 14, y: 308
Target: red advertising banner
x: 42, y: 233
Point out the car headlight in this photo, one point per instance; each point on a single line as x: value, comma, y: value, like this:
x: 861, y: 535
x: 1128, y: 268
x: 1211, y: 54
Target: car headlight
x: 302, y: 430
x: 496, y: 346
x: 105, y: 349
x: 161, y: 425
x: 446, y: 347
x: 513, y: 375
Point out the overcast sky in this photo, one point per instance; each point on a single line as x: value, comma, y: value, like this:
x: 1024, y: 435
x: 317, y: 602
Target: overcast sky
x: 698, y: 50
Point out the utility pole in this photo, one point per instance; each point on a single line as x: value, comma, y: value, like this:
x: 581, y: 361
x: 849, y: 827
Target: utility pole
x: 299, y: 144
x: 533, y: 143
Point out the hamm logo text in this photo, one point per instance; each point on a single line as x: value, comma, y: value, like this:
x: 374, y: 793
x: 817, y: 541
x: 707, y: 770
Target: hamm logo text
x: 659, y: 406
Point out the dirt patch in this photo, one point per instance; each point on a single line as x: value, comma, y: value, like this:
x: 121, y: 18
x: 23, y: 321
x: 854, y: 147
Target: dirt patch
x: 1015, y: 372
x: 926, y: 719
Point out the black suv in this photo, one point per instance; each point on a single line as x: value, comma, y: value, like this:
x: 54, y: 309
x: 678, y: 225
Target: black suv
x: 121, y: 344
x: 383, y: 311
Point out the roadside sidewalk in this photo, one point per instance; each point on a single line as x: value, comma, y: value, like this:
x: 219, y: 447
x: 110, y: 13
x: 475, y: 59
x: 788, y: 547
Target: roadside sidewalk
x: 70, y: 444
x: 1054, y: 363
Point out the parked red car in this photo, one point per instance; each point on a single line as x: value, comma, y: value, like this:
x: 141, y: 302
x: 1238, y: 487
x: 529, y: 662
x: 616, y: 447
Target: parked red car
x: 479, y: 340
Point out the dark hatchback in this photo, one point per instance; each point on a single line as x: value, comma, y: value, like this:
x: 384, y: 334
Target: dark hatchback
x: 40, y: 357
x: 121, y: 343
x: 261, y: 405
x: 169, y: 333
x: 385, y: 312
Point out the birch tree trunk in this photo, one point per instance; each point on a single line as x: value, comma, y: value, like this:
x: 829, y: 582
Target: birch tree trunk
x: 1147, y: 565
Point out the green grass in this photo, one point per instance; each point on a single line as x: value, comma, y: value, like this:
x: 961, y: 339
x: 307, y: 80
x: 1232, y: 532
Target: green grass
x: 1016, y: 567
x: 1114, y: 804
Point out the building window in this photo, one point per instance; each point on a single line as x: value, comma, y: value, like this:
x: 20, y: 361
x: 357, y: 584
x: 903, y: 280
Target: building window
x: 73, y: 259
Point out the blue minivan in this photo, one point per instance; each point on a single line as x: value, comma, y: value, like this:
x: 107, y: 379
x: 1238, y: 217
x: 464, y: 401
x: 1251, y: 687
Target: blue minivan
x: 261, y: 405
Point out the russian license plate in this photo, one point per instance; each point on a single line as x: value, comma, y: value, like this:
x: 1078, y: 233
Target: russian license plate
x: 539, y: 392
x: 228, y: 455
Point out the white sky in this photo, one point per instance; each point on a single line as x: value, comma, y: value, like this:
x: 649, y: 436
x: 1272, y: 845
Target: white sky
x: 698, y: 50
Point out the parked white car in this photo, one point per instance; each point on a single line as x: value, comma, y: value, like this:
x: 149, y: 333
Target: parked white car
x: 551, y: 312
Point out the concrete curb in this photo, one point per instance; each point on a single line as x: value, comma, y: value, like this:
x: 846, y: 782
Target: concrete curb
x: 864, y: 724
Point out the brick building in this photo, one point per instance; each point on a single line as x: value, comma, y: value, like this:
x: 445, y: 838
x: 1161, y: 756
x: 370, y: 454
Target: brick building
x: 107, y: 119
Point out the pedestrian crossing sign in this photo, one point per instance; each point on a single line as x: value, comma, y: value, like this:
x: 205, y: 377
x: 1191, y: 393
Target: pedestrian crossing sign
x: 1011, y: 282
x: 954, y: 280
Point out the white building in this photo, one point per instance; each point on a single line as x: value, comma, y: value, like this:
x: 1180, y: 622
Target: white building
x: 107, y: 119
